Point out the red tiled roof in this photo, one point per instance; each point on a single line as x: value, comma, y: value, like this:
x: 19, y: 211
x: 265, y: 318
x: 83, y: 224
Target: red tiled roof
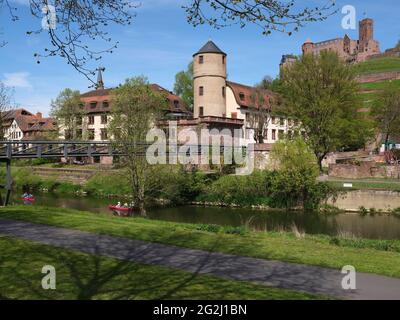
x: 244, y: 95
x: 176, y: 104
x: 27, y: 121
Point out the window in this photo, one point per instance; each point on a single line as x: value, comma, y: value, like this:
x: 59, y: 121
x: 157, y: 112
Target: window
x: 281, y: 134
x: 81, y: 105
x: 241, y: 96
x: 79, y: 121
x: 93, y: 105
x: 91, y: 120
x: 281, y: 121
x: 104, y: 134
x: 201, y: 59
x: 91, y: 134
x: 201, y: 111
x: 223, y: 92
x: 176, y: 104
x: 273, y: 134
x: 223, y: 59
x: 103, y: 119
x: 201, y: 91
x: 105, y: 104
x: 273, y: 120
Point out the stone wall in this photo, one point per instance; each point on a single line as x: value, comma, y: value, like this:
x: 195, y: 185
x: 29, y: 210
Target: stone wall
x: 366, y: 169
x: 376, y: 77
x: 377, y: 199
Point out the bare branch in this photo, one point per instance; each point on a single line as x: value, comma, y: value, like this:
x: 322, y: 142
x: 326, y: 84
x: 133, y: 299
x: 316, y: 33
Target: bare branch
x: 269, y: 15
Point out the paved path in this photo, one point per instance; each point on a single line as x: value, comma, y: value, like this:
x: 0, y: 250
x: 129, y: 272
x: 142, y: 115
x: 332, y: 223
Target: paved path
x: 305, y: 278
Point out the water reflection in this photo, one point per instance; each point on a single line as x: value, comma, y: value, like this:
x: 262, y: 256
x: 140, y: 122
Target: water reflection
x: 373, y: 227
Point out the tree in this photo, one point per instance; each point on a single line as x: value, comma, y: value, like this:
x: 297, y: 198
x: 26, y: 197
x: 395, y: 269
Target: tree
x: 67, y: 109
x: 294, y: 179
x: 135, y: 110
x: 269, y: 15
x: 322, y: 93
x: 184, y: 85
x: 72, y: 26
x: 5, y: 100
x: 386, y: 112
x: 260, y: 114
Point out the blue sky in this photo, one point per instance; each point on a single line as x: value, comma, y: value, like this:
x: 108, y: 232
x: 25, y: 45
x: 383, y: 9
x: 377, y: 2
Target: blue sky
x: 160, y: 43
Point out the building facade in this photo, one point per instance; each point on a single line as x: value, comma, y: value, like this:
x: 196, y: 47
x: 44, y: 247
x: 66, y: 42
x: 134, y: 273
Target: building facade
x: 226, y: 101
x: 22, y: 125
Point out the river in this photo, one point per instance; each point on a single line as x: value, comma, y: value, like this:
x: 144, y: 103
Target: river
x: 373, y: 227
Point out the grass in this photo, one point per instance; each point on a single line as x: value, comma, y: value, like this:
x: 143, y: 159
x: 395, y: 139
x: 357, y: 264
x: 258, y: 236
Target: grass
x: 367, y: 184
x: 380, y: 85
x: 83, y: 276
x: 314, y: 250
x: 378, y: 65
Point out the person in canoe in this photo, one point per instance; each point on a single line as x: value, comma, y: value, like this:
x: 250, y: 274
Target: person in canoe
x: 28, y: 198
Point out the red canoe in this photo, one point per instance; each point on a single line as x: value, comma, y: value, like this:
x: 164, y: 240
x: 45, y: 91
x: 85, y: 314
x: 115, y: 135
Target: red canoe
x: 122, y: 209
x: 28, y: 199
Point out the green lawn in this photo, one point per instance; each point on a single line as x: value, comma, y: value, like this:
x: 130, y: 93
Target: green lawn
x: 378, y: 65
x: 84, y: 276
x: 365, y: 255
x: 361, y: 184
x: 380, y: 85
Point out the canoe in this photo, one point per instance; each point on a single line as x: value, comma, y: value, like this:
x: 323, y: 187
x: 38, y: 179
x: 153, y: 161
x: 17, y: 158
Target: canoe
x: 29, y: 199
x: 122, y: 209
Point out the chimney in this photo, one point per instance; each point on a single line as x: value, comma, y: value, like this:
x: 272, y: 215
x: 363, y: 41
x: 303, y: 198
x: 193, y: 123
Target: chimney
x: 39, y: 115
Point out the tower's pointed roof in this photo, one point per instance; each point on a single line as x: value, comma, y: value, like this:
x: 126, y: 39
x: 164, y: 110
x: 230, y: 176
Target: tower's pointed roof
x: 100, y: 83
x: 210, y: 47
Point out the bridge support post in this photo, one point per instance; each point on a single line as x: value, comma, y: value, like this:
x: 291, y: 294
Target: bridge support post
x: 8, y: 182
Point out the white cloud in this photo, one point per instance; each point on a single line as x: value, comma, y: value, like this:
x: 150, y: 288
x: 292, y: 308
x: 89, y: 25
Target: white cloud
x: 17, y: 80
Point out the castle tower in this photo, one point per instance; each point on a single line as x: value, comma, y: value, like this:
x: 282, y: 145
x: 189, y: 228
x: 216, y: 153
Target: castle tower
x: 209, y: 81
x: 308, y: 47
x: 366, y: 31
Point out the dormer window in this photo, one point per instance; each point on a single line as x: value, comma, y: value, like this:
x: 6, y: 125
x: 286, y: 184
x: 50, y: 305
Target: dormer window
x: 81, y: 105
x: 93, y: 105
x: 176, y: 104
x: 241, y: 96
x: 105, y: 104
x: 201, y: 59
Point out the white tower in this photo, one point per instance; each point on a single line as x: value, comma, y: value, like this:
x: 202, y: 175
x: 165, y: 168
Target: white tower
x: 209, y: 81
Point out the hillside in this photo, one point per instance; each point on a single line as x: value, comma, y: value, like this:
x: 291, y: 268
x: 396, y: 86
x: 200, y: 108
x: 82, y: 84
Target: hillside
x: 376, y: 67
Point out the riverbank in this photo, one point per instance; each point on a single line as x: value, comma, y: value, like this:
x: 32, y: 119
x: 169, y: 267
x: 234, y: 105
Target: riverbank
x: 371, y: 256
x: 176, y: 187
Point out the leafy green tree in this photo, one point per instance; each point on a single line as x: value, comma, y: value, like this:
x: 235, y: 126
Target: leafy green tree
x: 294, y: 179
x: 386, y: 112
x: 67, y: 109
x: 135, y: 110
x: 184, y: 85
x: 321, y: 92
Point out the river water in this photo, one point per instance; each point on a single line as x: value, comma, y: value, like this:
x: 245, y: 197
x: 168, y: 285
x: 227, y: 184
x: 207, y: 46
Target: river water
x: 372, y: 227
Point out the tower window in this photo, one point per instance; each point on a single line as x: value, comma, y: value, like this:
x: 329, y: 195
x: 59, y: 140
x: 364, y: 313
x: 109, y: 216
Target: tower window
x: 223, y: 92
x: 241, y: 96
x: 201, y: 91
x: 223, y: 59
x: 201, y: 59
x: 201, y: 111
